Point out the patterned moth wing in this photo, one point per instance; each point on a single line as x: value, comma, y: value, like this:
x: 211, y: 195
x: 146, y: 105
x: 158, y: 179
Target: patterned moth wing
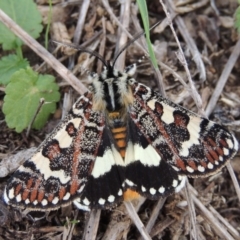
x: 53, y: 175
x: 146, y: 171
x: 192, y: 145
x: 121, y: 138
x: 62, y: 166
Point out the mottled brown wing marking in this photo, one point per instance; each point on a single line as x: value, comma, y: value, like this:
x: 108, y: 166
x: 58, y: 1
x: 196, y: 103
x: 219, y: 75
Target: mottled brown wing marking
x: 190, y: 144
x: 57, y: 173
x: 180, y: 120
x: 71, y: 130
x: 52, y: 150
x: 157, y: 123
x: 75, y: 161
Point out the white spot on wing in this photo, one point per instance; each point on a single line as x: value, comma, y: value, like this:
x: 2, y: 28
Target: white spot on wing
x: 55, y: 200
x: 220, y: 158
x: 225, y: 151
x: 44, y: 202
x: 129, y: 183
x: 216, y: 163
x: 143, y: 189
x: 27, y: 201
x: 101, y: 201
x: 35, y: 202
x: 152, y: 191
x: 189, y: 169
x: 111, y: 198
x: 10, y: 193
x: 67, y: 196
x: 86, y: 201
x: 210, y: 166
x: 174, y: 183
x: 201, y: 168
x: 148, y: 156
x: 161, y: 189
x: 120, y: 192
x: 19, y: 198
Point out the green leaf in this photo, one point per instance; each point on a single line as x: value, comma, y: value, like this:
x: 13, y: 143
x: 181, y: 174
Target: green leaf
x: 25, y: 14
x: 9, y: 65
x: 22, y: 98
x: 237, y: 19
x: 144, y: 14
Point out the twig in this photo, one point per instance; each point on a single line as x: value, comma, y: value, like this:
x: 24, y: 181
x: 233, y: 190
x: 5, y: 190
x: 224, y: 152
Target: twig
x: 110, y: 12
x: 230, y: 228
x: 102, y: 46
x: 83, y: 10
x: 43, y: 53
x: 234, y: 179
x: 117, y: 229
x: 81, y: 20
x: 67, y: 102
x: 41, y: 102
x: 181, y: 57
x: 192, y: 211
x: 90, y: 231
x: 190, y: 7
x: 136, y: 220
x: 122, y: 35
x: 219, y: 229
x: 223, y: 78
x: 161, y: 226
x: 154, y: 215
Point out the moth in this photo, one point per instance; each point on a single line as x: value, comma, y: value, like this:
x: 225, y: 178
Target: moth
x: 119, y: 140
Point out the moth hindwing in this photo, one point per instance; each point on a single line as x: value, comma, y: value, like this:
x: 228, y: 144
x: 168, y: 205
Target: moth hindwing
x: 121, y: 140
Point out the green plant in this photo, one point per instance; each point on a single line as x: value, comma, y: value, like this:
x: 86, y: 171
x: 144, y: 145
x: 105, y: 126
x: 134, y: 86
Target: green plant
x: 24, y: 87
x: 144, y: 14
x: 237, y: 17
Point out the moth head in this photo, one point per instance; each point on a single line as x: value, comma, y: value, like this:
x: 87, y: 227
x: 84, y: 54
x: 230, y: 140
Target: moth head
x: 111, y: 90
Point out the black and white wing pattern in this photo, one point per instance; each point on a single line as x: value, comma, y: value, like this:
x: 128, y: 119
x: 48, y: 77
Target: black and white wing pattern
x: 121, y: 138
x: 67, y: 163
x: 192, y: 145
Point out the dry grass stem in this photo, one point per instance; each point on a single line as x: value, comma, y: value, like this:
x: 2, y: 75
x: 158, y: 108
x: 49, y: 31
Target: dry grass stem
x: 223, y: 78
x: 215, y: 224
x: 135, y: 218
x: 182, y: 59
x: 192, y: 211
x: 154, y: 215
x: 91, y: 227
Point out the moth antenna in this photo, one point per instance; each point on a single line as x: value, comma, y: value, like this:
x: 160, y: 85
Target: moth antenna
x: 87, y: 50
x: 137, y: 36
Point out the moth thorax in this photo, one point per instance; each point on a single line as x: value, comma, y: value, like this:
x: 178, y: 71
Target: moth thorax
x: 118, y: 129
